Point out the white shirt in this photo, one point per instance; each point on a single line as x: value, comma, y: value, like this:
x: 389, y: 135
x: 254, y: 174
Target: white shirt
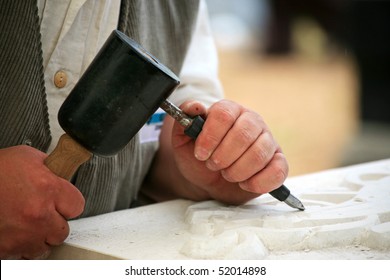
x: 73, y: 32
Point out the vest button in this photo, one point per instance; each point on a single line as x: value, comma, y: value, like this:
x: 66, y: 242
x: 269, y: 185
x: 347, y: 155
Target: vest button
x: 60, y: 79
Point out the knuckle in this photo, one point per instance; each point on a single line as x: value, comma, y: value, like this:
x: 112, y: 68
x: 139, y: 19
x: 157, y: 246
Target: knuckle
x: 224, y: 111
x: 210, y: 140
x: 276, y: 178
x: 246, y: 135
x: 251, y: 185
x: 261, y: 157
x: 45, y: 184
x: 39, y: 208
x: 230, y: 175
x: 35, y: 212
x: 279, y: 175
x: 264, y: 150
x: 225, y: 116
x: 41, y: 181
x: 249, y: 127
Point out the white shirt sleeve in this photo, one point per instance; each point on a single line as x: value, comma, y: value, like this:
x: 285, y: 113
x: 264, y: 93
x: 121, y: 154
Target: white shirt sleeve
x: 199, y: 74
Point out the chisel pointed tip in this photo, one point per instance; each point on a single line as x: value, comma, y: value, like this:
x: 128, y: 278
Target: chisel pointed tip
x: 294, y: 202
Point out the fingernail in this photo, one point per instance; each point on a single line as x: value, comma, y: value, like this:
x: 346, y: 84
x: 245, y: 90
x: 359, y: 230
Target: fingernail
x: 210, y: 164
x: 202, y: 154
x: 225, y: 176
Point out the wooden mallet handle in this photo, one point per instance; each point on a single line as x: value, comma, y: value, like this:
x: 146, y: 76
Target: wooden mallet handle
x: 66, y: 158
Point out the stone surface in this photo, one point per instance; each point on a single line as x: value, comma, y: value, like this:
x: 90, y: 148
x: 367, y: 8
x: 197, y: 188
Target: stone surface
x: 347, y: 216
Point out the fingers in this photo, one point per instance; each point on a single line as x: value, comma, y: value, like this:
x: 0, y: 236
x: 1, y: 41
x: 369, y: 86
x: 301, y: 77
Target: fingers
x: 251, y: 161
x: 35, y: 204
x: 191, y: 108
x: 220, y: 120
x: 269, y: 178
x: 69, y: 201
x: 58, y: 231
x: 51, y: 227
x: 237, y: 142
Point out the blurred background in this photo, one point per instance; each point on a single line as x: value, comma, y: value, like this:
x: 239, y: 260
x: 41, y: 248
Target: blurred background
x: 318, y: 71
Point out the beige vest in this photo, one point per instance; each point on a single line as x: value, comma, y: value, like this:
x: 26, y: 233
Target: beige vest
x: 163, y: 27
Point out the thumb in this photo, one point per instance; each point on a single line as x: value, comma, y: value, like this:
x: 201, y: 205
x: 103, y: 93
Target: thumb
x: 192, y: 109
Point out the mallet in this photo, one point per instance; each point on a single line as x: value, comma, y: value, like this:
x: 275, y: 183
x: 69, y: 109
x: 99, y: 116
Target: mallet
x: 123, y: 86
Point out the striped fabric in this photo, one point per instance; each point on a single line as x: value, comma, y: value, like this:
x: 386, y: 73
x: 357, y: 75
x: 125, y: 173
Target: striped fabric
x: 163, y: 27
x: 23, y: 108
